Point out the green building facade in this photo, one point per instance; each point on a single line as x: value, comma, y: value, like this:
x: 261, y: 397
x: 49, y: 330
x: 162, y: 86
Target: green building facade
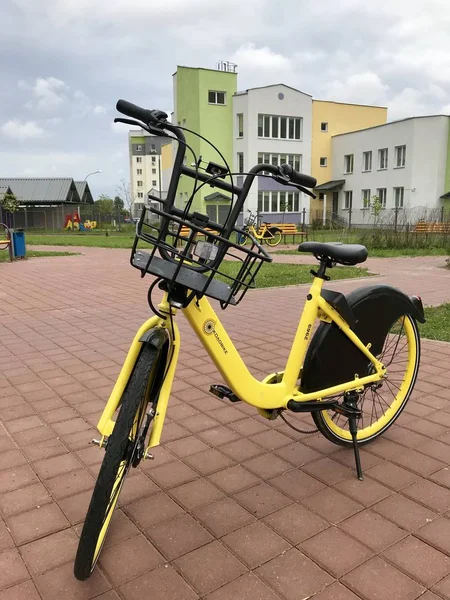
x: 203, y: 102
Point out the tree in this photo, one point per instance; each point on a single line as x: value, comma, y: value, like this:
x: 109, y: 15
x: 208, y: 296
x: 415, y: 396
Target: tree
x: 127, y: 196
x: 375, y: 207
x: 9, y: 203
x: 104, y: 207
x: 118, y: 209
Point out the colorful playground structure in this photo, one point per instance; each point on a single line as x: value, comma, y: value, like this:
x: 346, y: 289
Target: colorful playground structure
x: 73, y: 222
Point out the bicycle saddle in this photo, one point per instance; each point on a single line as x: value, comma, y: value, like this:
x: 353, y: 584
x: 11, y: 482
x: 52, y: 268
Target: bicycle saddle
x: 344, y: 254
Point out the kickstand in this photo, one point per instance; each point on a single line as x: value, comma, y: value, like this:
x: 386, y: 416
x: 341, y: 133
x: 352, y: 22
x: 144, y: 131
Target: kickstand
x: 354, y: 430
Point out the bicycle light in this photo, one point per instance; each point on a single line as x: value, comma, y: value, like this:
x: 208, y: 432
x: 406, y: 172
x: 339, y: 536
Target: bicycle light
x: 206, y: 250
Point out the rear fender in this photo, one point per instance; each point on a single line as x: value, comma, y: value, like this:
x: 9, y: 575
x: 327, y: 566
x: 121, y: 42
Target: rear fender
x: 333, y: 359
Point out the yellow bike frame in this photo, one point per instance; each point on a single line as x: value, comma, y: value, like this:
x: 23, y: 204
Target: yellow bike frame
x: 273, y: 392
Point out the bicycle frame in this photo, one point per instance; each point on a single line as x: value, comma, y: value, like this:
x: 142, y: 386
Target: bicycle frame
x: 263, y: 395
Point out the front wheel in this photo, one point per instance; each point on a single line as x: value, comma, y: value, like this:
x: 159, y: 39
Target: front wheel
x: 122, y: 451
x: 272, y: 237
x: 381, y: 403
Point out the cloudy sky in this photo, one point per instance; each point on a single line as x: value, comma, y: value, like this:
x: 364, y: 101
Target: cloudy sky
x: 64, y: 64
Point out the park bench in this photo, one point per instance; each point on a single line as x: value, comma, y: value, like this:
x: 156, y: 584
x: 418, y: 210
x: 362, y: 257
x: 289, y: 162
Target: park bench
x: 289, y: 229
x: 423, y: 227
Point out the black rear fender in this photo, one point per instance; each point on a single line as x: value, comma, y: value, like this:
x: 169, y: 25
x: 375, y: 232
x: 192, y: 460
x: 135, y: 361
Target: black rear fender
x: 333, y: 359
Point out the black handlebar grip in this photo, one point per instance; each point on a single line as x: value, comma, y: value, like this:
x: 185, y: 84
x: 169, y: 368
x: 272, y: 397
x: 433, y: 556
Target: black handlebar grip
x: 299, y: 178
x: 141, y: 114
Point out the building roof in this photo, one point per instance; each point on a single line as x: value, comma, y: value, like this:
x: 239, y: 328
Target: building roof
x: 58, y: 190
x: 4, y: 189
x: 446, y: 196
x: 393, y: 123
x: 330, y: 185
x: 204, y: 69
x: 84, y: 192
x: 263, y: 87
x: 350, y: 104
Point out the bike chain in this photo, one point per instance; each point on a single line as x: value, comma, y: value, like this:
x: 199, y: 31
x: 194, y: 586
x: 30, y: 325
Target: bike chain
x: 296, y: 428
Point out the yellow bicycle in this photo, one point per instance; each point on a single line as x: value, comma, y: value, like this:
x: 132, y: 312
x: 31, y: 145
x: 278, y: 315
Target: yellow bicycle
x: 354, y: 374
x: 270, y: 235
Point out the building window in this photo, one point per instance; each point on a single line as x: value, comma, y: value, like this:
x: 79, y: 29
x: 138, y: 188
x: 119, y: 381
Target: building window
x: 348, y: 197
x: 348, y: 163
x: 139, y: 148
x: 295, y: 160
x: 154, y: 171
x: 240, y: 125
x: 138, y: 159
x: 240, y: 161
x: 366, y: 198
x: 139, y: 171
x: 321, y: 196
x: 280, y: 128
x: 324, y: 127
x: 323, y: 161
x: 400, y: 156
x: 383, y: 158
x: 216, y: 97
x: 381, y: 193
x: 140, y: 195
x: 153, y: 159
x: 399, y: 193
x: 140, y: 184
x: 154, y: 183
x: 279, y: 202
x: 153, y: 147
x: 367, y: 161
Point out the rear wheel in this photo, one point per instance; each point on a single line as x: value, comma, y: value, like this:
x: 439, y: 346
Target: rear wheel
x: 272, y: 237
x: 381, y: 403
x: 124, y: 449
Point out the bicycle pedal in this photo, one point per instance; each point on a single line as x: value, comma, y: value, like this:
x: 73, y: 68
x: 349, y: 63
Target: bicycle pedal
x: 222, y: 391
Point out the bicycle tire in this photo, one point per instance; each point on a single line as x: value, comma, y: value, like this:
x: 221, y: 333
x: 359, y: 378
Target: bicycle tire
x: 275, y: 237
x: 341, y: 436
x: 136, y: 394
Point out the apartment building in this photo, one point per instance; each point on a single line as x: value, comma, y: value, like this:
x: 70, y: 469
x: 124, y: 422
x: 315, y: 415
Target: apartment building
x: 273, y: 124
x: 404, y: 163
x: 145, y: 166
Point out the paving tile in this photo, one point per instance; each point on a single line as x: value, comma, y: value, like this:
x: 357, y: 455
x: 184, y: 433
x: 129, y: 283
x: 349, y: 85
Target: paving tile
x: 46, y: 449
x: 367, y: 492
x: 208, y: 461
x: 16, y: 478
x: 60, y: 583
x: 223, y: 516
x: 267, y: 465
x: 172, y: 474
x: 23, y: 591
x: 429, y: 494
x: 418, y: 560
x: 178, y: 536
x: 271, y: 439
x: 242, y: 449
x: 218, y: 435
x: 233, y: 479
x: 121, y: 528
x: 442, y: 588
x: 199, y: 423
x: 332, y: 505
x: 50, y: 552
x: 335, y: 551
x: 328, y: 471
x: 12, y: 568
x: 68, y: 484
x: 391, y: 475
x: 437, y: 534
x: 149, y: 511
x: 249, y: 426
x: 255, y: 544
x: 337, y: 591
x: 137, y: 486
x: 296, y: 523
x: 164, y: 583
x: 186, y: 446
x: 297, y: 453
x: 37, y: 523
x: 297, y: 484
x: 377, y: 579
x: 116, y: 563
x: 293, y: 575
x: 24, y: 499
x: 209, y: 567
x: 11, y: 458
x: 56, y: 465
x: 75, y: 507
x: 262, y: 499
x: 247, y: 587
x: 404, y: 512
x: 195, y: 493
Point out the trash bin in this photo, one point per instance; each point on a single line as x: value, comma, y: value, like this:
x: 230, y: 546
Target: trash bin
x: 19, y: 243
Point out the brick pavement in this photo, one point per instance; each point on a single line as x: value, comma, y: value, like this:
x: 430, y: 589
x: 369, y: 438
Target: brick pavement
x: 233, y: 507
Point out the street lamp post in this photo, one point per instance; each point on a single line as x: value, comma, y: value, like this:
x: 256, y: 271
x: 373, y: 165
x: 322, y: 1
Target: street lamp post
x: 88, y: 175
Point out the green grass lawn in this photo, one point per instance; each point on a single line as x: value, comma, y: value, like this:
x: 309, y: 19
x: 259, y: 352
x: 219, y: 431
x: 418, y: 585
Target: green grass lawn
x: 4, y: 256
x: 279, y: 275
x: 386, y: 252
x: 437, y: 326
x: 116, y: 240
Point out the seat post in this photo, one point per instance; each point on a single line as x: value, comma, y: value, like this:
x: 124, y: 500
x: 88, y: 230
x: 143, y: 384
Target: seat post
x: 324, y: 264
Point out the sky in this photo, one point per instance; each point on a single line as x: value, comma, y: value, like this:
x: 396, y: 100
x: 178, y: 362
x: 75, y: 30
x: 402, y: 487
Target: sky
x: 65, y: 63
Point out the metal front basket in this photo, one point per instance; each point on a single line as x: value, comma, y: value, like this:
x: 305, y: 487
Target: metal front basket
x: 183, y: 250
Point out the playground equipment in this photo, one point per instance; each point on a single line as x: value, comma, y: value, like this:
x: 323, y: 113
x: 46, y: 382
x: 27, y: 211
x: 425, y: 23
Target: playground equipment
x: 73, y: 222
x: 5, y: 240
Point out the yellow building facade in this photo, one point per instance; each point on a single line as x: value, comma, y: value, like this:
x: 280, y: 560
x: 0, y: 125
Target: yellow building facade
x: 329, y: 119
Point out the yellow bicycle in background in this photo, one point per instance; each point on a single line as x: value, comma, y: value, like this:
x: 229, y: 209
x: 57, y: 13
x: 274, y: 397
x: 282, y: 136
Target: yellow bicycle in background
x: 354, y: 374
x: 270, y: 235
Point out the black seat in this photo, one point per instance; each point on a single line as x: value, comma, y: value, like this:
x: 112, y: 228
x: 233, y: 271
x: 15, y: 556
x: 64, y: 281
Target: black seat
x: 344, y: 254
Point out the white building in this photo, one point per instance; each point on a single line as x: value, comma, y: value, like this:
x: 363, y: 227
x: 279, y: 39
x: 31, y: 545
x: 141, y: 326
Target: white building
x: 145, y: 166
x: 273, y: 124
x: 403, y: 163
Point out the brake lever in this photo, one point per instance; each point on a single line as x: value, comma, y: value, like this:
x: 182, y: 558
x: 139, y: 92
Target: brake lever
x: 150, y: 128
x: 286, y: 181
x: 127, y: 121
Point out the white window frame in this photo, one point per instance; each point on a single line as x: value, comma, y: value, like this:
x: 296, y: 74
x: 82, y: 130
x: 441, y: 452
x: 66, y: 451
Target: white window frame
x: 323, y: 161
x: 240, y: 162
x: 400, y: 157
x: 276, y: 159
x: 266, y: 200
x: 381, y: 153
x: 140, y: 194
x: 154, y: 183
x: 240, y: 125
x: 365, y: 199
x: 154, y: 160
x: 273, y: 124
x: 138, y: 159
x: 153, y: 171
x: 138, y: 171
x: 368, y: 154
x: 215, y: 102
x: 139, y: 148
x: 322, y: 128
x: 349, y: 161
x: 399, y: 194
x: 140, y: 183
x: 382, y: 195
x: 348, y: 195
